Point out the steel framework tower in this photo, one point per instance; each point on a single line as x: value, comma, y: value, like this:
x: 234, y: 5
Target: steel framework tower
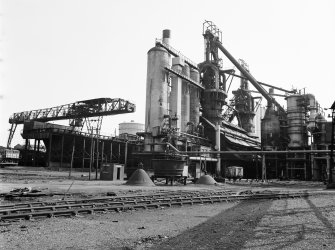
x: 77, y: 112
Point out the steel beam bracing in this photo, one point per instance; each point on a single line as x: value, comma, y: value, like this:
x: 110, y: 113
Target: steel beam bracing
x: 181, y: 75
x: 80, y: 109
x: 262, y: 83
x: 216, y: 37
x: 253, y: 81
x: 11, y: 134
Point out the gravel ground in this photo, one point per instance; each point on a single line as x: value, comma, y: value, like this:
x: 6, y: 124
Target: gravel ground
x: 303, y: 223
x: 132, y: 230
x: 297, y: 224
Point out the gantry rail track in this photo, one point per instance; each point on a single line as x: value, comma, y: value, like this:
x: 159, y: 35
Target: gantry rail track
x: 48, y: 209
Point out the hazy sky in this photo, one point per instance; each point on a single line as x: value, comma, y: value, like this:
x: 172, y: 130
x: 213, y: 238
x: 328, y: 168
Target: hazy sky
x: 56, y: 52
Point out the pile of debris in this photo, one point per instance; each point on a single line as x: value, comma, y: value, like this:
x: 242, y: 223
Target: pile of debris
x: 23, y: 192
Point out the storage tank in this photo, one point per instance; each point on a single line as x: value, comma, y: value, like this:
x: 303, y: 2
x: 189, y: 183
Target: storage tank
x: 270, y: 130
x: 130, y: 128
x: 157, y: 85
x: 194, y: 98
x: 296, y: 121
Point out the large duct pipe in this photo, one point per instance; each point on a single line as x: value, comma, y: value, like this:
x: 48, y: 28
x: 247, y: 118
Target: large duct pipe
x: 244, y: 72
x: 218, y: 147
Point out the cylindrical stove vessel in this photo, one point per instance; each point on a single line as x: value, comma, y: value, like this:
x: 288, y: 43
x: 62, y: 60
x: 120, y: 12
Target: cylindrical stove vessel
x: 185, y: 106
x: 186, y: 70
x: 270, y: 130
x: 185, y: 100
x: 176, y: 91
x: 157, y: 87
x: 194, y: 98
x: 296, y: 122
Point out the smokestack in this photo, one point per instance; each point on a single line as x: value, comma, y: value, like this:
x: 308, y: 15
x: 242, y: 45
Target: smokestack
x: 166, y: 36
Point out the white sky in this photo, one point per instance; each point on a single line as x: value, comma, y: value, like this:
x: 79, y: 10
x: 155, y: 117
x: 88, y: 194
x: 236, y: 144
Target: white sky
x: 56, y: 52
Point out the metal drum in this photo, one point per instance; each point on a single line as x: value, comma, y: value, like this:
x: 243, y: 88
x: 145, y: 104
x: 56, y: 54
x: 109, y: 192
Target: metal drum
x: 168, y: 167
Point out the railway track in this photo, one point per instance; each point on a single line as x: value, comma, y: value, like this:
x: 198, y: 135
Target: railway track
x: 32, y: 210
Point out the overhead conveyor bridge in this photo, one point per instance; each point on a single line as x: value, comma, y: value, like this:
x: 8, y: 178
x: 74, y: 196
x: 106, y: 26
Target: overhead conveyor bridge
x: 81, y: 109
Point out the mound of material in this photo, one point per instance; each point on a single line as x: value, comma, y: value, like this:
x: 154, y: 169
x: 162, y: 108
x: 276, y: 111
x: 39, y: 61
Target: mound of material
x: 206, y: 180
x: 140, y: 178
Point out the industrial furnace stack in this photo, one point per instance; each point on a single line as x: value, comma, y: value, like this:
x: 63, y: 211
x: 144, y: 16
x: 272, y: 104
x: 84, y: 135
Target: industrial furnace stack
x: 187, y: 112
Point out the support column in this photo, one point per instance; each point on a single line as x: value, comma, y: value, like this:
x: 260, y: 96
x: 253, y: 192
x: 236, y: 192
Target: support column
x: 276, y: 160
x: 97, y: 162
x: 328, y: 167
x: 102, y: 151
x: 218, y: 148
x: 91, y: 156
x: 305, y: 168
x: 286, y: 163
x: 50, y: 149
x: 25, y: 152
x: 83, y: 155
x: 38, y: 152
x: 263, y: 168
x: 125, y: 155
x: 62, y: 152
x: 111, y: 157
x: 34, y: 154
x: 257, y: 175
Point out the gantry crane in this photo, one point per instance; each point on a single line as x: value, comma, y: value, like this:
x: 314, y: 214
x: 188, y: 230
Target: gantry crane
x: 76, y: 111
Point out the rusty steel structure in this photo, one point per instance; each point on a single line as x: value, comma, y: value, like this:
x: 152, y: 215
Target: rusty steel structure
x: 192, y: 127
x: 190, y: 122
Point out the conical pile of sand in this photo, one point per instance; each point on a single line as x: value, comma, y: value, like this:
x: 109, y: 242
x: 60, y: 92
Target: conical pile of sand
x: 206, y: 180
x: 140, y: 178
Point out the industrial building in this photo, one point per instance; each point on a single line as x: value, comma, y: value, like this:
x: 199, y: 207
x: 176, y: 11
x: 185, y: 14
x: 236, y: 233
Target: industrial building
x: 191, y: 126
x: 189, y: 119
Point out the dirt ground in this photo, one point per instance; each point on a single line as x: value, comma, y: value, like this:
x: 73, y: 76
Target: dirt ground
x: 304, y: 223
